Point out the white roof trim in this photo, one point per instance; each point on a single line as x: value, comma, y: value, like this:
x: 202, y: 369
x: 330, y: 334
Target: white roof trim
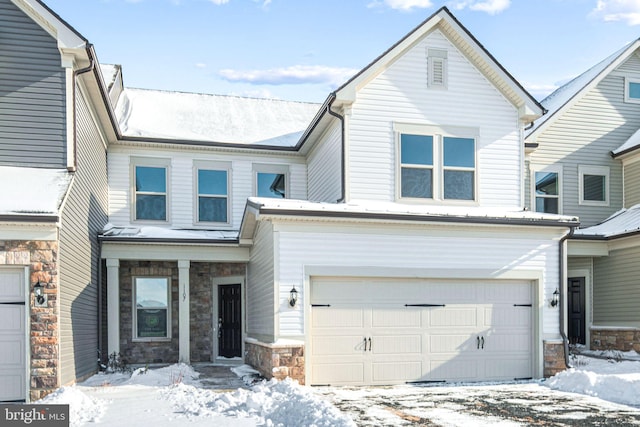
x: 67, y: 36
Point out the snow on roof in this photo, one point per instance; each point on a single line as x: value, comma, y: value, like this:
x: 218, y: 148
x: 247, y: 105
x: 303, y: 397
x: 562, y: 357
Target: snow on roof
x: 213, y: 118
x: 389, y: 208
x: 40, y: 191
x: 565, y: 93
x: 631, y: 143
x: 160, y: 233
x: 622, y: 222
x: 109, y: 72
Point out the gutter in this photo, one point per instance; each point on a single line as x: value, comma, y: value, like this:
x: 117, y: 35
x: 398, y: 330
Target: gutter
x: 30, y: 218
x: 343, y: 179
x: 561, y: 302
x: 168, y: 240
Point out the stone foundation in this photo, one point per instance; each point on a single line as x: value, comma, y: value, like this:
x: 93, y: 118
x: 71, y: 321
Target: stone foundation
x: 277, y: 361
x: 623, y: 339
x: 554, y: 361
x: 42, y: 259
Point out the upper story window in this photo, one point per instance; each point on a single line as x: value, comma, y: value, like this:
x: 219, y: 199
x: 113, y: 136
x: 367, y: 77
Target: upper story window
x: 151, y: 314
x: 436, y: 165
x: 437, y: 68
x: 631, y: 90
x: 150, y: 195
x: 212, y: 192
x: 271, y: 181
x: 547, y: 190
x: 593, y: 182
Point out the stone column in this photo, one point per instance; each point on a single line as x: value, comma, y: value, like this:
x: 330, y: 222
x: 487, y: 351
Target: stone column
x: 183, y: 310
x: 113, y: 305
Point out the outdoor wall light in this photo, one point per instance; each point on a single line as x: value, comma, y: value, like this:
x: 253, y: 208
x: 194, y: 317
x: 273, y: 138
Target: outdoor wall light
x: 293, y: 297
x: 554, y: 298
x: 41, y: 297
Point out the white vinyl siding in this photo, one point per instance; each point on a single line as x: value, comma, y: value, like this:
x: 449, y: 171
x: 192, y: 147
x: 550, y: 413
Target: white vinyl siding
x: 260, y: 285
x: 181, y: 185
x: 615, y: 289
x: 401, y: 94
x: 325, y: 167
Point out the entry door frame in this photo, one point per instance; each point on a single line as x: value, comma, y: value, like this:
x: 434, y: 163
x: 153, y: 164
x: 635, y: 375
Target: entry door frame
x: 572, y: 274
x: 218, y: 281
x: 26, y: 324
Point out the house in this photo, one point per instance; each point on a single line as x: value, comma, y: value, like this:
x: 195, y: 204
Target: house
x: 378, y: 238
x: 53, y: 201
x: 582, y: 161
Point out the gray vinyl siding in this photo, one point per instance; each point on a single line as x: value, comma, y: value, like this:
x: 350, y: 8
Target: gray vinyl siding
x: 585, y: 135
x: 260, y: 285
x: 83, y: 216
x: 616, y: 288
x: 32, y: 93
x: 631, y: 184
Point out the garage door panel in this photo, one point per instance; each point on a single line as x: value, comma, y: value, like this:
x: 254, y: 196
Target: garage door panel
x: 345, y: 317
x: 337, y: 345
x: 397, y: 344
x: 396, y: 318
x: 451, y: 343
x: 508, y: 317
x: 507, y: 368
x: 338, y: 373
x: 386, y: 372
x: 13, y: 336
x: 452, y: 369
x: 12, y: 352
x: 453, y: 317
x: 11, y: 286
x: 12, y: 386
x: 507, y: 343
x: 507, y: 292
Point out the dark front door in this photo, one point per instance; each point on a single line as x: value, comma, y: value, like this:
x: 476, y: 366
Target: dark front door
x: 576, y: 310
x: 229, y: 321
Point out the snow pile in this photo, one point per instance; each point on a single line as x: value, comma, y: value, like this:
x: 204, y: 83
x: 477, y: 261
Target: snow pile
x: 82, y: 408
x: 606, y: 379
x: 271, y: 403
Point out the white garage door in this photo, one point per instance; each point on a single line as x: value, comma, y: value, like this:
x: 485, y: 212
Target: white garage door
x: 12, y: 335
x: 374, y: 331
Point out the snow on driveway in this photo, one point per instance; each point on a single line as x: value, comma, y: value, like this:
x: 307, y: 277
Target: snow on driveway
x: 175, y: 395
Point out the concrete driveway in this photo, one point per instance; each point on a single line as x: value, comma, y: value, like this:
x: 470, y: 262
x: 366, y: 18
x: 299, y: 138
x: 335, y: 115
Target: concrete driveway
x: 522, y: 404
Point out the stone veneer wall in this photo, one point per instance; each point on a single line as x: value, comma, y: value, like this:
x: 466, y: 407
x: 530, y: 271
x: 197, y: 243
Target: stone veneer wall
x: 623, y: 339
x: 147, y: 351
x: 201, y: 275
x: 554, y: 361
x: 276, y: 361
x: 42, y: 259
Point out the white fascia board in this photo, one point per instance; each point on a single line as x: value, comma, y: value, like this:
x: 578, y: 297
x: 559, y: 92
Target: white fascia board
x: 60, y: 30
x: 587, y: 248
x: 164, y: 251
x: 29, y: 231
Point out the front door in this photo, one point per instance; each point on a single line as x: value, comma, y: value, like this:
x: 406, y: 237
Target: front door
x: 576, y: 310
x: 229, y: 321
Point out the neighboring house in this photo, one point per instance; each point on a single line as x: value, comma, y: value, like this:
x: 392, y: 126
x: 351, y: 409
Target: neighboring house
x: 582, y: 161
x: 53, y: 201
x: 378, y: 238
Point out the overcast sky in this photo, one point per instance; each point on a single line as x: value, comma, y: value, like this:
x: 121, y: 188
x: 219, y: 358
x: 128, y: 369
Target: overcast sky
x: 303, y: 49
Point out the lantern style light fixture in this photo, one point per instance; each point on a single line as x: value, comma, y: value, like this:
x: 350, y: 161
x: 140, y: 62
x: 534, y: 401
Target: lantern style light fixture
x: 40, y: 296
x: 293, y: 297
x: 555, y: 297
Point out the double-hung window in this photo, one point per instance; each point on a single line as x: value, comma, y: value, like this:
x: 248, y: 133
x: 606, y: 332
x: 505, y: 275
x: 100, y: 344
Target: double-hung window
x: 593, y: 183
x: 271, y: 181
x: 437, y: 165
x: 547, y: 190
x: 150, y: 189
x: 152, y: 316
x: 212, y: 189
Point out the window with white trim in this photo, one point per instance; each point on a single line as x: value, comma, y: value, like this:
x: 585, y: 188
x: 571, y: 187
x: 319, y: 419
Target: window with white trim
x: 150, y: 189
x: 271, y: 181
x: 151, y: 312
x: 438, y: 165
x: 212, y: 185
x: 593, y: 183
x: 547, y: 190
x: 631, y: 90
x: 437, y: 68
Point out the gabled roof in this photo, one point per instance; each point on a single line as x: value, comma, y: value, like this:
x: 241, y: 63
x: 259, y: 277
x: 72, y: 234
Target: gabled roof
x: 566, y: 95
x: 217, y: 119
x: 622, y: 223
x: 629, y: 145
x: 67, y: 36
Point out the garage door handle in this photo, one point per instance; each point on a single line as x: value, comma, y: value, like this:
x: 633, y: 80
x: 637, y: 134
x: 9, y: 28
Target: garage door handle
x: 369, y: 343
x: 482, y: 340
x: 478, y: 343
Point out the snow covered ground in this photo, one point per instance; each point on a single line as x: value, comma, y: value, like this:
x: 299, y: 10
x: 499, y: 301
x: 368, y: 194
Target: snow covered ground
x: 174, y: 395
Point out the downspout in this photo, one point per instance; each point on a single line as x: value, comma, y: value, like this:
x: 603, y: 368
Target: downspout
x: 76, y: 73
x: 343, y: 165
x: 561, y: 302
x: 100, y: 350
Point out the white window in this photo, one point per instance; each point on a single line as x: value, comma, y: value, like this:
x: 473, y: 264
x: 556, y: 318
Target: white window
x: 547, y: 190
x: 631, y: 90
x: 150, y: 189
x: 212, y: 183
x: 437, y: 68
x: 593, y: 183
x: 151, y: 313
x: 436, y: 164
x: 271, y: 181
